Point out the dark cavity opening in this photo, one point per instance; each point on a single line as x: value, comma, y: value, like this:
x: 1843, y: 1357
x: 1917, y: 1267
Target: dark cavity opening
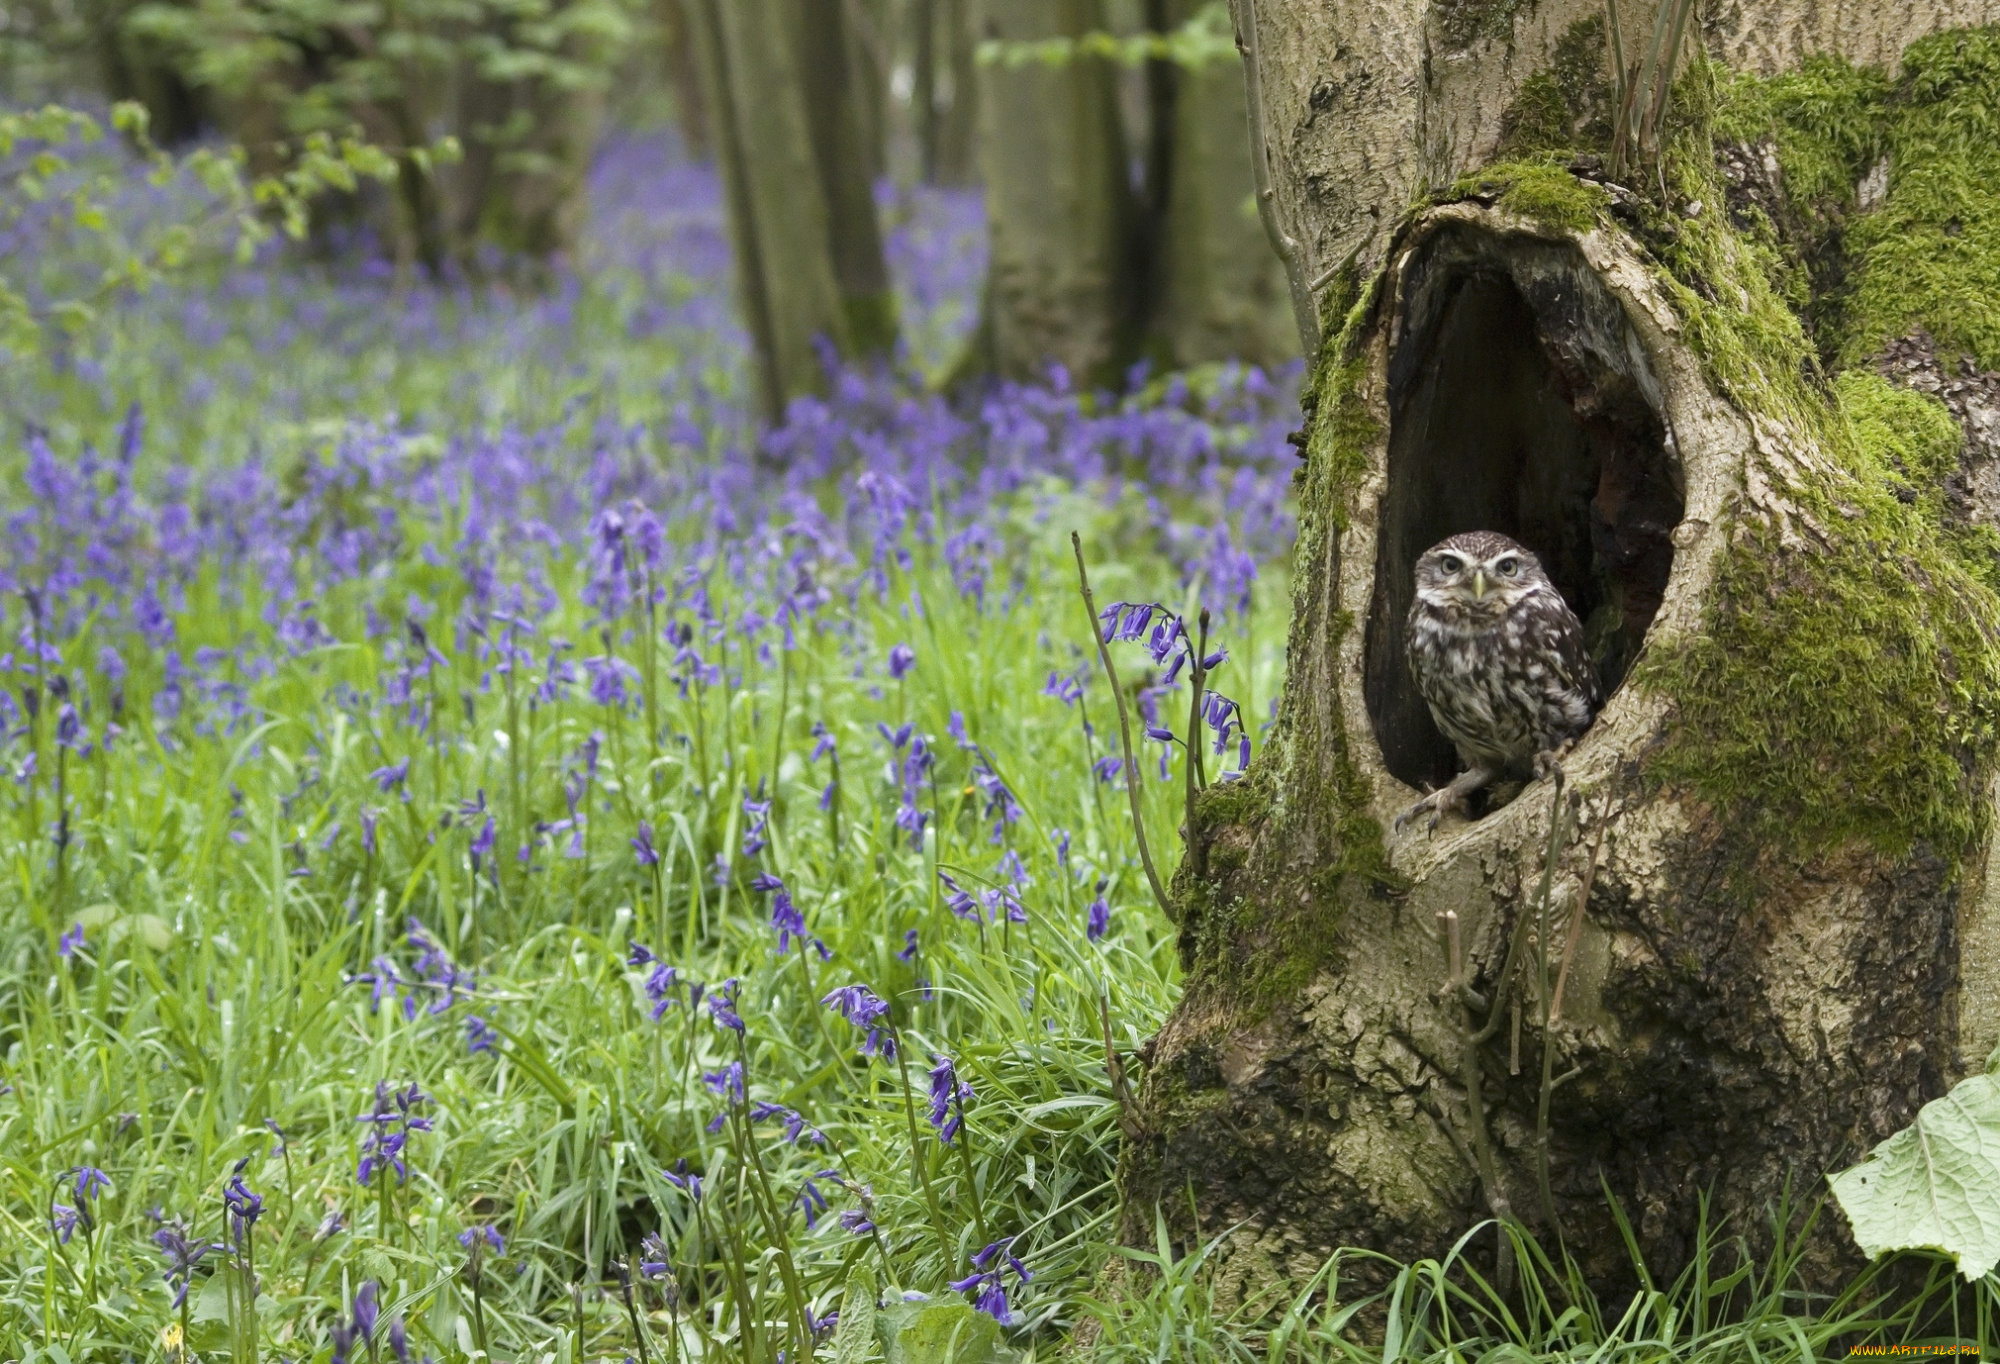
x: 1520, y: 401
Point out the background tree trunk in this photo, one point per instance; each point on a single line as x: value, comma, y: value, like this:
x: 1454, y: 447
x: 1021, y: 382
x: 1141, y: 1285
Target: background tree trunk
x: 957, y: 162
x: 779, y: 219
x: 1769, y: 902
x: 847, y: 150
x: 1062, y: 285
x: 1221, y: 291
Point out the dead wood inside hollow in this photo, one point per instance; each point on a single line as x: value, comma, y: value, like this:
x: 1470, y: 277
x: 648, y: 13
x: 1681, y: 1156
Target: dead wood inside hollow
x: 1520, y: 401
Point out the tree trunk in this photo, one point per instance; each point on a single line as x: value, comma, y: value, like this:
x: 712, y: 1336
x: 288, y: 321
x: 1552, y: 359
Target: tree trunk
x: 958, y: 126
x: 1220, y: 292
x: 1768, y: 923
x: 684, y: 78
x: 837, y: 102
x: 778, y: 217
x: 1061, y: 287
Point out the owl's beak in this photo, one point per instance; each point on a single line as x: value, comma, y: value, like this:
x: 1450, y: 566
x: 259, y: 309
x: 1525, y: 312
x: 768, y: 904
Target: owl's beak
x: 1479, y: 584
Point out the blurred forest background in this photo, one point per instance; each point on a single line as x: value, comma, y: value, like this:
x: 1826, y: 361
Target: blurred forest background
x: 1110, y: 138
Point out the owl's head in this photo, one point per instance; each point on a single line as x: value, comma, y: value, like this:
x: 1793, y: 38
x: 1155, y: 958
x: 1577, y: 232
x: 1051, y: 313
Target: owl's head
x: 1479, y: 571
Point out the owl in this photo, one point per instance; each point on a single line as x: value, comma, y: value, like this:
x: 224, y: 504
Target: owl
x: 1499, y: 657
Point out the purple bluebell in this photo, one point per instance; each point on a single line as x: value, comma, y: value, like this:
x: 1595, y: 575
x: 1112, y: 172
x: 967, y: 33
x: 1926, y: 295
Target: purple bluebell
x: 183, y: 1256
x: 682, y: 1179
x: 902, y: 658
x: 990, y: 1293
x: 486, y: 1233
x: 479, y: 1035
x: 722, y: 1006
x: 243, y: 1206
x: 1097, y: 920
x: 70, y: 943
x: 642, y: 845
x: 862, y: 1007
x: 810, y: 1200
x: 948, y: 1096
x: 909, y: 948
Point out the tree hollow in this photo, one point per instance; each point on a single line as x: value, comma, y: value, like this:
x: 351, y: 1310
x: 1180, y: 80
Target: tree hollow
x: 1520, y: 400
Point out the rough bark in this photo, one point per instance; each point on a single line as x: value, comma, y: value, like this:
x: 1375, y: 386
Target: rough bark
x: 1221, y: 291
x: 1787, y: 944
x: 684, y: 77
x: 1371, y: 102
x: 1061, y: 287
x: 778, y: 217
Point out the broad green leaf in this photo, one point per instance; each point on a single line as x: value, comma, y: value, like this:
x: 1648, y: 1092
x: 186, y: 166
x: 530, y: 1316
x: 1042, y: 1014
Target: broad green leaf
x: 1935, y: 1185
x: 855, y: 1335
x: 941, y: 1333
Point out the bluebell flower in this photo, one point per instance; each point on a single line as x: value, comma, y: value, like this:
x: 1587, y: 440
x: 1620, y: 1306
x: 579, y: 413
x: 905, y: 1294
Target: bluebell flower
x: 479, y: 1035
x: 726, y: 1083
x: 70, y: 943
x: 985, y: 1282
x: 902, y: 658
x: 909, y: 950
x: 862, y: 1007
x: 183, y: 1255
x: 1097, y: 921
x: 64, y: 1220
x: 948, y: 1096
x: 642, y: 845
x: 823, y: 742
x: 487, y: 1233
x: 390, y: 777
x: 243, y: 1207
x: 682, y: 1179
x: 722, y: 1006
x: 90, y: 1181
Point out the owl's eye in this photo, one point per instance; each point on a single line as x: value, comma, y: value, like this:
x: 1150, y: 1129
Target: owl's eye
x: 1451, y: 563
x: 1509, y: 566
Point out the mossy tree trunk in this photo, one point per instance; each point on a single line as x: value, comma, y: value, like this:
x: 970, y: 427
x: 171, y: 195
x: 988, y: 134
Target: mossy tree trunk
x: 1767, y: 903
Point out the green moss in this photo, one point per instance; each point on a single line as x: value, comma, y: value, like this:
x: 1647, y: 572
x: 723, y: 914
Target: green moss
x: 1567, y: 106
x: 1847, y: 682
x: 1827, y: 123
x: 1910, y: 440
x: 1464, y: 22
x: 1930, y: 255
x: 1540, y: 188
x: 1264, y: 949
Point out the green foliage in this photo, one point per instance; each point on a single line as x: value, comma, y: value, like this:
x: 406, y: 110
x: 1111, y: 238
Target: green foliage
x: 516, y: 86
x: 1726, y: 1303
x: 1935, y: 1185
x: 940, y: 1333
x: 75, y: 190
x: 1206, y: 36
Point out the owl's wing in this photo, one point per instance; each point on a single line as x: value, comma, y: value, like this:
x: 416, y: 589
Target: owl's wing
x: 1558, y: 638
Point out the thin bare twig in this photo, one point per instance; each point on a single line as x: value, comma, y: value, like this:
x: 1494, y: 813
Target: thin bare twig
x: 1576, y: 920
x: 1124, y: 733
x: 1475, y: 1104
